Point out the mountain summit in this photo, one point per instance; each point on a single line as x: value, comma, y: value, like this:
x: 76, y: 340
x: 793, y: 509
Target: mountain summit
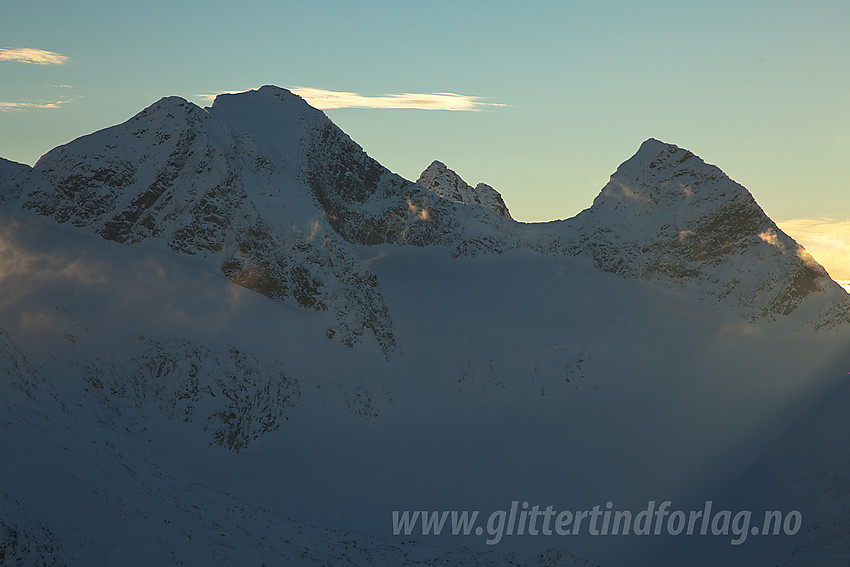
x: 273, y: 194
x: 668, y: 216
x: 239, y: 185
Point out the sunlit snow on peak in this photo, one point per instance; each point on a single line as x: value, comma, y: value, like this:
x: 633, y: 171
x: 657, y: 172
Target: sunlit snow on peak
x: 770, y: 237
x: 421, y: 212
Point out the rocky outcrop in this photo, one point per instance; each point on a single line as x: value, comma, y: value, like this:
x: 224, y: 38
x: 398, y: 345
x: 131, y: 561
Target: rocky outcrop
x: 231, y: 394
x: 448, y: 184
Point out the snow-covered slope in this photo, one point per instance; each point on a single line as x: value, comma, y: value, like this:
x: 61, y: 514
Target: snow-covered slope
x: 667, y: 343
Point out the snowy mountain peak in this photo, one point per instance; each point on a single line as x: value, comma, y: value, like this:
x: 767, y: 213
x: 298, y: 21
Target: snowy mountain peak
x: 229, y: 185
x: 270, y: 192
x: 268, y: 93
x: 667, y: 176
x: 166, y: 109
x: 448, y: 184
x: 666, y: 215
x: 273, y: 102
x: 665, y: 188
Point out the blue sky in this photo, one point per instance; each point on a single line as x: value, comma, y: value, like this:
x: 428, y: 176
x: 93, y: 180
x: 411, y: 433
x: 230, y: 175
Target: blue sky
x: 557, y: 93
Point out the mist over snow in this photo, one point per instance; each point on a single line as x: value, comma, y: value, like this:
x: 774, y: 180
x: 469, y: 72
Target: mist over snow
x: 229, y: 336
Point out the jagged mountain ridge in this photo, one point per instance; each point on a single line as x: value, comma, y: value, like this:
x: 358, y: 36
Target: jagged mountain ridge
x: 274, y: 194
x: 667, y: 216
x: 447, y: 183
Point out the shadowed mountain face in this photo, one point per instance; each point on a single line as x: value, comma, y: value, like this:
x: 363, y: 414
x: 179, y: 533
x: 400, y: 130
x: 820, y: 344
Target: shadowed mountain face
x: 12, y: 177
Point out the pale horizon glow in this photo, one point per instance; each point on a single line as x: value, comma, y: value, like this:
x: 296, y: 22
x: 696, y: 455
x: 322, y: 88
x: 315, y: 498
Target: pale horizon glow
x: 32, y: 56
x: 827, y: 240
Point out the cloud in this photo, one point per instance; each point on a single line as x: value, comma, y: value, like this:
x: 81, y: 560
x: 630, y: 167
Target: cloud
x: 9, y: 106
x: 33, y: 56
x: 827, y: 239
x: 325, y: 100
x: 210, y: 97
x: 625, y: 192
x: 771, y: 238
x: 23, y: 269
x: 381, y: 255
x: 742, y: 329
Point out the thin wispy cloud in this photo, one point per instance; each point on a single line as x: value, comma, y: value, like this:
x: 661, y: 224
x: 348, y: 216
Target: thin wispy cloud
x: 210, y: 97
x: 324, y: 99
x: 32, y: 56
x: 827, y: 239
x: 12, y: 106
